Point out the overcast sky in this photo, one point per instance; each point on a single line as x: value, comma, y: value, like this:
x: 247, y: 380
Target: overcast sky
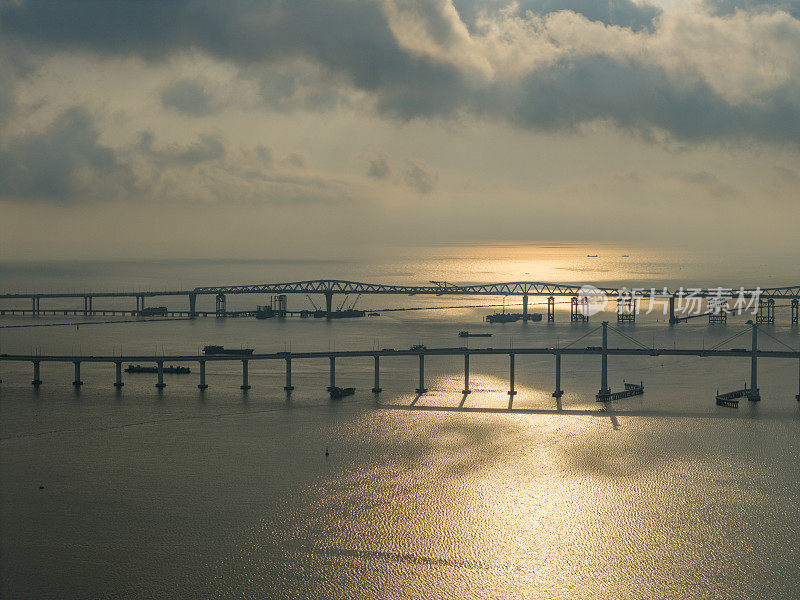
x: 308, y: 127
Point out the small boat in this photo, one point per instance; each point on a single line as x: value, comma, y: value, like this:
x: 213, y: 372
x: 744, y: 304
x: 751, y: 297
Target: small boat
x: 170, y: 369
x: 625, y: 255
x: 468, y: 334
x: 591, y: 256
x: 338, y: 393
x: 222, y: 350
x: 374, y: 314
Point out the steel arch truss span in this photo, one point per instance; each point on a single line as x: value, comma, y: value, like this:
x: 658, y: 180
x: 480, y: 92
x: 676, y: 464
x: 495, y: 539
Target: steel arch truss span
x: 513, y: 288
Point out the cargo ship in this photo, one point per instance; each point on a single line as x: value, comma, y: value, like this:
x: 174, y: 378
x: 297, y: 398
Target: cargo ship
x: 170, y: 369
x: 222, y: 350
x: 264, y: 312
x: 468, y: 334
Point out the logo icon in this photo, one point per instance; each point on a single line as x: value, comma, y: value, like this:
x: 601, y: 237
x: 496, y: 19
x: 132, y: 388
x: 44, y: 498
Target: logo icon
x: 591, y: 300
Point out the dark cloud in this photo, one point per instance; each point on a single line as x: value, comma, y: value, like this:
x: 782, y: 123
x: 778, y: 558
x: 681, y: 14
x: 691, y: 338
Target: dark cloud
x: 7, y: 97
x: 623, y: 13
x: 379, y: 167
x: 354, y: 46
x: 264, y: 154
x: 729, y: 7
x: 297, y: 160
x: 420, y: 177
x: 699, y: 177
x: 64, y: 163
x: 207, y: 148
x: 642, y: 98
x: 189, y: 97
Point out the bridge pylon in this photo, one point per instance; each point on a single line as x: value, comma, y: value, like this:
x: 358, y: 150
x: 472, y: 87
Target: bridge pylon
x: 579, y: 310
x: 766, y: 312
x: 626, y: 309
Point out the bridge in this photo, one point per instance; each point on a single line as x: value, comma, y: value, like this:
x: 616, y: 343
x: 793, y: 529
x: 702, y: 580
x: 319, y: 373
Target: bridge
x: 762, y: 299
x: 604, y: 394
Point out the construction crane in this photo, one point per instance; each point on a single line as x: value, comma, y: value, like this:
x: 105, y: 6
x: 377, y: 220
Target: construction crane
x: 312, y: 302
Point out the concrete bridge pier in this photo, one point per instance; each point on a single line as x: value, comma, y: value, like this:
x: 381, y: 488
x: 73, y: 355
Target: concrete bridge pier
x: 795, y: 311
x: 466, y: 389
x: 604, y: 392
x: 328, y: 304
x: 332, y: 379
x: 77, y: 381
x: 524, y: 308
x: 672, y: 319
x: 511, y: 391
x: 161, y: 385
x: 797, y: 397
x: 559, y: 392
x: 551, y: 309
x: 118, y: 368
x: 376, y: 384
x: 288, y: 387
x: 202, y: 385
x: 192, y: 306
x: 422, y: 389
x: 245, y: 385
x: 37, y: 381
x: 753, y: 394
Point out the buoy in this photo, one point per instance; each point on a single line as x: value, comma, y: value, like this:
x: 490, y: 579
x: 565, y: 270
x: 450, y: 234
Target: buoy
x: 326, y: 451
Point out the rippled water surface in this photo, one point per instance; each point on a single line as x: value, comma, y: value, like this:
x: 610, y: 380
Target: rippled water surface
x: 178, y: 493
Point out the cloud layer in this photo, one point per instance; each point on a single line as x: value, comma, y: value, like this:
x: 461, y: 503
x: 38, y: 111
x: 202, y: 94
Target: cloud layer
x: 405, y: 119
x: 727, y: 69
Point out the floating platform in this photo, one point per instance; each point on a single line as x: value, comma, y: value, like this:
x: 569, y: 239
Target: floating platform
x: 631, y: 389
x: 730, y: 399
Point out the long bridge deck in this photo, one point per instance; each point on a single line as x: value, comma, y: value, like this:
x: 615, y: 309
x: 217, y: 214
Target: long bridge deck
x: 337, y: 286
x: 754, y: 353
x: 627, y: 297
x: 197, y: 358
